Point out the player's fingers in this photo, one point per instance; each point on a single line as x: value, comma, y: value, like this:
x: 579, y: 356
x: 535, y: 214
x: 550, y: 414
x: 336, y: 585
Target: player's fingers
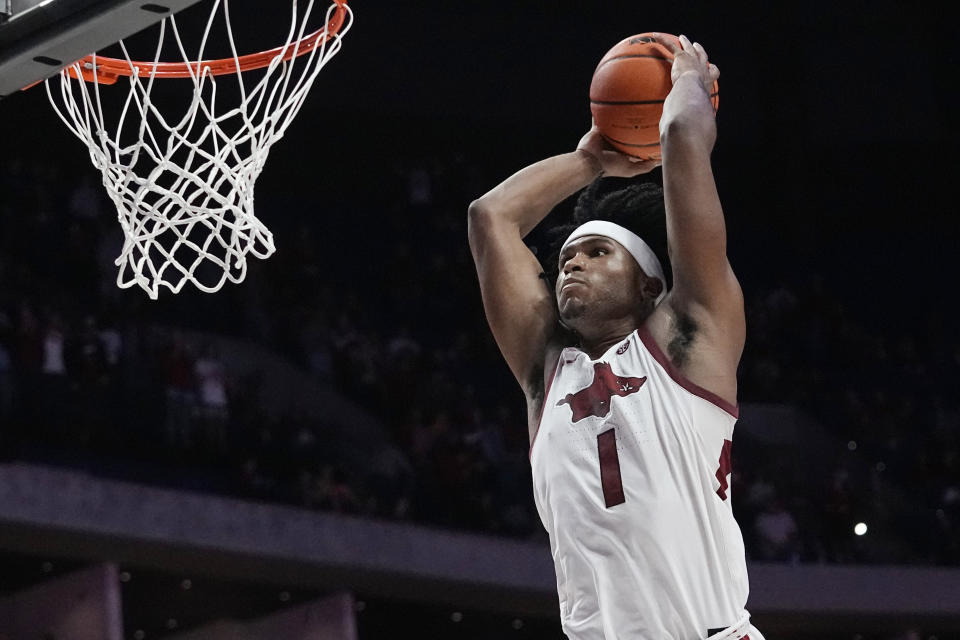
x: 701, y: 52
x: 666, y: 42
x: 714, y: 72
x: 685, y: 43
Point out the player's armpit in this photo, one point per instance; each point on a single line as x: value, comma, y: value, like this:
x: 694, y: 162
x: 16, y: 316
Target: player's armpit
x: 720, y: 328
x: 518, y: 302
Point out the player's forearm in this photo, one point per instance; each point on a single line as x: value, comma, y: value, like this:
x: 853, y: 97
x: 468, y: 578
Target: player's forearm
x: 526, y: 197
x: 695, y: 226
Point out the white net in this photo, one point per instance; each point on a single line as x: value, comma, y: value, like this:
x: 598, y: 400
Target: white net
x: 184, y: 188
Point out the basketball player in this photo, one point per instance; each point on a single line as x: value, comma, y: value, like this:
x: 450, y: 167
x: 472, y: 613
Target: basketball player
x: 631, y: 388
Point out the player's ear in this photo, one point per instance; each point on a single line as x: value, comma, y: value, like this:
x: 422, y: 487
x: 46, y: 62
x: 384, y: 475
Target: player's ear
x: 651, y: 286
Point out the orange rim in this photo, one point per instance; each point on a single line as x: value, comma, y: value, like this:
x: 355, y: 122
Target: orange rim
x: 108, y: 70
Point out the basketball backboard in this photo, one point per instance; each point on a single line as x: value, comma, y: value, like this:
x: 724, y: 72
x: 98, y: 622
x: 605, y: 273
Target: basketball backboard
x: 40, y: 37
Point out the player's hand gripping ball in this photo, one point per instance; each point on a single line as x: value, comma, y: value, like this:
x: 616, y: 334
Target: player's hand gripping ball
x: 628, y: 89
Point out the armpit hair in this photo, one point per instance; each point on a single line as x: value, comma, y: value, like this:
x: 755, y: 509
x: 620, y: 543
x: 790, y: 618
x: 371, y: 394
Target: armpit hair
x: 685, y: 331
x: 536, y: 384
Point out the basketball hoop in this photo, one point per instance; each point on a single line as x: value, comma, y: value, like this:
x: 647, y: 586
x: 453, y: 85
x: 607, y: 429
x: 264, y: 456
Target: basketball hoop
x: 184, y: 189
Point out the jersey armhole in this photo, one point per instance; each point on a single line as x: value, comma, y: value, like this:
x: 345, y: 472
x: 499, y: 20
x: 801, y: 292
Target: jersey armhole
x: 677, y: 376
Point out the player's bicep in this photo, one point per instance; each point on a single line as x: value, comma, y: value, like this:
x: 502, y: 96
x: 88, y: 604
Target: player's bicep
x: 517, y: 301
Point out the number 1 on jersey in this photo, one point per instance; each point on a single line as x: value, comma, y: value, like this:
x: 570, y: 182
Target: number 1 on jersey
x: 610, y: 468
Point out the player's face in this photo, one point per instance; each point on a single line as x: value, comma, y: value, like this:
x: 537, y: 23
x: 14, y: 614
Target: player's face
x: 597, y: 278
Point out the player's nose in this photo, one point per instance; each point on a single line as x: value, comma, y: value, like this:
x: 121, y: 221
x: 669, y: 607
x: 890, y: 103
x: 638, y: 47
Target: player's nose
x: 573, y: 263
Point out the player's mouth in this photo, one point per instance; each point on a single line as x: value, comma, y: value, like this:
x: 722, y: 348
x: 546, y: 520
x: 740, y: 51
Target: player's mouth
x: 571, y: 281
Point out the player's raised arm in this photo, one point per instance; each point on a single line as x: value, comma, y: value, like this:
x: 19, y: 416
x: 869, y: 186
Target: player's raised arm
x: 704, y: 283
x: 518, y: 303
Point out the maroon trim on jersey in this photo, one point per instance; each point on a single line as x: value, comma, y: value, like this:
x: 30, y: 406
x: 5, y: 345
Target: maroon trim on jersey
x: 724, y: 468
x: 610, y: 477
x: 543, y: 406
x: 681, y: 379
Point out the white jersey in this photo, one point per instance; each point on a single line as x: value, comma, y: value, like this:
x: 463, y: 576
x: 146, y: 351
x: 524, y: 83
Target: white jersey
x: 631, y: 467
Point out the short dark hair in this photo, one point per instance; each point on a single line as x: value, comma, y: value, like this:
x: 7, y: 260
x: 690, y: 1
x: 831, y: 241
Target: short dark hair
x: 634, y: 204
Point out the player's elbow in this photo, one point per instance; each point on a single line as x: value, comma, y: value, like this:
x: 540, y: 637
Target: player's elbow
x: 689, y: 129
x: 482, y: 215
x: 479, y: 219
x: 490, y: 222
x: 477, y: 210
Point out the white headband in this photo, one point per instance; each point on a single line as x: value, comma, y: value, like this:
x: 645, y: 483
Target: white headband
x: 633, y: 243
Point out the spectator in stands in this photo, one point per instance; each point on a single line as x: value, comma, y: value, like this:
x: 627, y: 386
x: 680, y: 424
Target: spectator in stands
x: 87, y: 367
x: 54, y: 363
x: 180, y: 390
x: 329, y: 490
x: 408, y: 378
x: 53, y: 369
x: 776, y: 532
x: 212, y: 391
x: 112, y: 342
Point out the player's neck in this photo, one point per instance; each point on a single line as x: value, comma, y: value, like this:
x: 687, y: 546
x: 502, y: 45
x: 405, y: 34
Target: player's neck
x: 606, y: 334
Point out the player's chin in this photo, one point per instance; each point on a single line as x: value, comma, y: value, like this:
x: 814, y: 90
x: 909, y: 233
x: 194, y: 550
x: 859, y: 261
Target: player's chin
x: 571, y: 309
x: 574, y: 293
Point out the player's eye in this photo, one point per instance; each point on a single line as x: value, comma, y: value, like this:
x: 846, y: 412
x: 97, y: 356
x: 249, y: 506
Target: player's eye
x: 600, y: 251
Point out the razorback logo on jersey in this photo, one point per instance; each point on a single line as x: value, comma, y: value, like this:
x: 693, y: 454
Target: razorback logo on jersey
x: 595, y: 399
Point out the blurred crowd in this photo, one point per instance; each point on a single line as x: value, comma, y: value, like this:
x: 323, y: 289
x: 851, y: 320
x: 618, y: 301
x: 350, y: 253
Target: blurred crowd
x: 384, y: 308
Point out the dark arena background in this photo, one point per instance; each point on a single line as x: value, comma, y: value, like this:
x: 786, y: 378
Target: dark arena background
x: 335, y: 449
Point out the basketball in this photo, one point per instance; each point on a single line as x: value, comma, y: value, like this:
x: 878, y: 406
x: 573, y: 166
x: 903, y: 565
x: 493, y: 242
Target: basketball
x: 627, y: 93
